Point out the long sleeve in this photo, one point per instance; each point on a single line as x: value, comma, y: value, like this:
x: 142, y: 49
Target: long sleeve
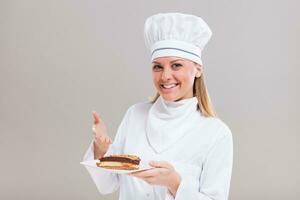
x: 107, y: 182
x: 215, y: 176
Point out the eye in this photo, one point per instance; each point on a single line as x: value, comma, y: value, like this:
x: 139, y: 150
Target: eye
x: 176, y: 66
x: 156, y: 68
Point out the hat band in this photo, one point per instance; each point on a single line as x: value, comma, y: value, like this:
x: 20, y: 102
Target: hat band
x: 176, y: 48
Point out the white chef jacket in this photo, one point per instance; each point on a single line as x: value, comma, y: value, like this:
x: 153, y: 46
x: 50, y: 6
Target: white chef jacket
x: 198, y: 147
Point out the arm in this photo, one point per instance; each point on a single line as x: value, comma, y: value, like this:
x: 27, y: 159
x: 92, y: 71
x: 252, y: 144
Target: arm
x: 107, y: 182
x: 215, y: 177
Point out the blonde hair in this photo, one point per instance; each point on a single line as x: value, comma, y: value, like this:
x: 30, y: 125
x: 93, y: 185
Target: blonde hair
x: 200, y: 91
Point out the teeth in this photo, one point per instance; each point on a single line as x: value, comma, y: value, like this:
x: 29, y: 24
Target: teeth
x: 169, y: 86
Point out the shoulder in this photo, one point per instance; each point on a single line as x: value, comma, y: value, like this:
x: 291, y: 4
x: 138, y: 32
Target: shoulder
x: 141, y: 105
x: 220, y: 128
x: 221, y: 137
x: 140, y: 108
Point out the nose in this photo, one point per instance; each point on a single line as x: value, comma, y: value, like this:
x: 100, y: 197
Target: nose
x: 166, y: 75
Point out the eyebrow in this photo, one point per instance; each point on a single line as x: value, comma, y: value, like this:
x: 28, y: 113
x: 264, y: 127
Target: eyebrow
x: 170, y: 62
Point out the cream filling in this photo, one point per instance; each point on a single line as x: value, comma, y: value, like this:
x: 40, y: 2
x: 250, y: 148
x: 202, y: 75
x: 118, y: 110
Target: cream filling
x: 115, y: 164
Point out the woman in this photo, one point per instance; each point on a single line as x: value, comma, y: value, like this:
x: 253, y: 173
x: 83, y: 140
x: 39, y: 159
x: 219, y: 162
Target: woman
x: 189, y: 148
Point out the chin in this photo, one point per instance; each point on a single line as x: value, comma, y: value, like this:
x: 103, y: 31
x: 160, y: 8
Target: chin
x: 169, y: 98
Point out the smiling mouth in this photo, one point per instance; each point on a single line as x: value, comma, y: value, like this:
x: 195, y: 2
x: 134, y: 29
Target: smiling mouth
x: 169, y: 86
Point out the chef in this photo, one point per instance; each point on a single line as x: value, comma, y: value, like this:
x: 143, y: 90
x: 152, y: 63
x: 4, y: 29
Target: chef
x: 189, y: 148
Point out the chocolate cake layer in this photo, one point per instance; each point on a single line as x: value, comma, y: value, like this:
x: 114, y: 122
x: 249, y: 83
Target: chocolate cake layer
x: 120, y: 159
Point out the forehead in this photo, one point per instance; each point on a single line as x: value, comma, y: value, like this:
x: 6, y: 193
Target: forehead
x: 168, y: 59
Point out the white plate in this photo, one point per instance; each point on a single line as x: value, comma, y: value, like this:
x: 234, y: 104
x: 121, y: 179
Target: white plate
x: 91, y: 165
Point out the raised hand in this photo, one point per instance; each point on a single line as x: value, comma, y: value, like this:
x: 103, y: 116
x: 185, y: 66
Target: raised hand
x: 101, y: 138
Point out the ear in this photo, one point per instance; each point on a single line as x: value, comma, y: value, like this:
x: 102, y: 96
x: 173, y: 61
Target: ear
x: 199, y: 70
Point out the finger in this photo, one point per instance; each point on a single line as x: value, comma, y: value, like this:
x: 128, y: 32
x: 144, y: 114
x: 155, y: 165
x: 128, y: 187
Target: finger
x: 98, y: 136
x: 105, y: 139
x: 150, y: 180
x: 96, y: 117
x: 102, y: 139
x: 139, y: 176
x: 145, y: 173
x: 137, y: 173
x: 160, y: 164
x: 94, y: 128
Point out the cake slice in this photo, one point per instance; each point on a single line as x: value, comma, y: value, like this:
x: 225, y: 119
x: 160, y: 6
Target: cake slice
x: 120, y: 161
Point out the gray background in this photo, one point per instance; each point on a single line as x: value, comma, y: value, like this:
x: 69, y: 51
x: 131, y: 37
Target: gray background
x: 61, y: 59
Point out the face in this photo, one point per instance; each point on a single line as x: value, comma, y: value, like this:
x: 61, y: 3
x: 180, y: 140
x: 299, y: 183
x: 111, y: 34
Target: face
x: 174, y: 77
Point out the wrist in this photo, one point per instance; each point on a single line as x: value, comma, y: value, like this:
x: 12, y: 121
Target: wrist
x: 174, y: 184
x: 98, y: 152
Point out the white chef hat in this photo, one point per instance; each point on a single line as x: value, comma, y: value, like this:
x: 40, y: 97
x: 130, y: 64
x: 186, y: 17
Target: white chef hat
x: 176, y: 34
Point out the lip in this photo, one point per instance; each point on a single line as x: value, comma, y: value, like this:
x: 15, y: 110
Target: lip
x: 168, y: 90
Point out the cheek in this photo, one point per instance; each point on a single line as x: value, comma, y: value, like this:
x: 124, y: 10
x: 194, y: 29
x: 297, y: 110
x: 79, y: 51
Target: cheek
x: 155, y: 78
x: 187, y: 80
x: 186, y: 76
